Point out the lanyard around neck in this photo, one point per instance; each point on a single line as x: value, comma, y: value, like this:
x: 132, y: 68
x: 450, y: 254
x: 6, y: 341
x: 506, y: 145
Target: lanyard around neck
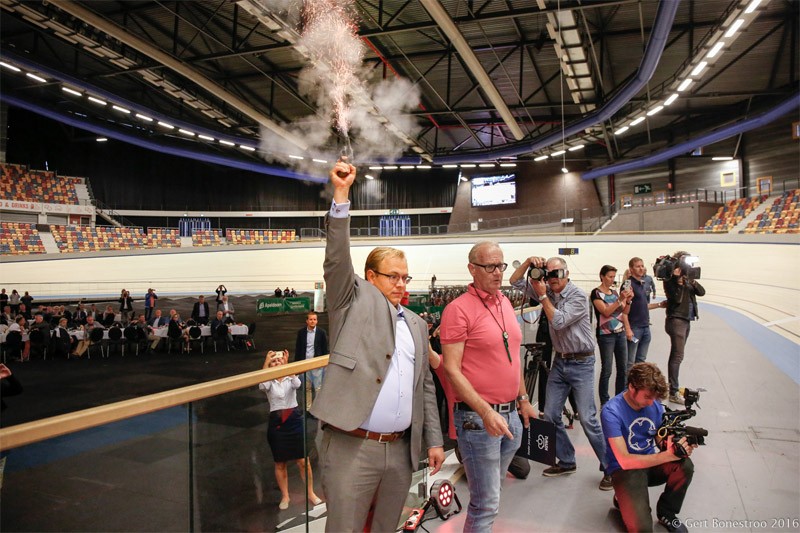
x: 502, y: 327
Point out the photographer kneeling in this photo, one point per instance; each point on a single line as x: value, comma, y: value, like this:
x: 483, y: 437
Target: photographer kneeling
x: 630, y: 423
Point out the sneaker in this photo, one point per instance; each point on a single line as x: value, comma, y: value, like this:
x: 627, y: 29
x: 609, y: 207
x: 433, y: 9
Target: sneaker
x: 673, y: 524
x: 676, y: 398
x: 558, y: 470
x: 606, y: 483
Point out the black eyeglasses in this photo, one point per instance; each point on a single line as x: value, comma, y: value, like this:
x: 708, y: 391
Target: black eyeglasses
x: 491, y: 268
x: 394, y: 278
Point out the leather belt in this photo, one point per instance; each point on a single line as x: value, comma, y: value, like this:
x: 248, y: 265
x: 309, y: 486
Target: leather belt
x: 364, y: 434
x: 499, y: 407
x: 574, y: 355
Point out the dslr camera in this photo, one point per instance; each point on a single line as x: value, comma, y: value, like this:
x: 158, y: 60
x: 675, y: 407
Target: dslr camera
x: 541, y: 274
x: 674, y: 423
x: 666, y: 264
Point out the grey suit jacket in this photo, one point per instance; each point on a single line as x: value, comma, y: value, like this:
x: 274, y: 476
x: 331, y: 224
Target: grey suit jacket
x: 362, y: 343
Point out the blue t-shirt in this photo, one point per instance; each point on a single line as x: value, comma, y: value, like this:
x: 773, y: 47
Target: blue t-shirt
x: 638, y: 428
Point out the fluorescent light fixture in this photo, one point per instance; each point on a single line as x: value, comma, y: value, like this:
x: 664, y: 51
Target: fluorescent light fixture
x: 9, y: 67
x: 423, y: 167
x: 684, y: 84
x: 369, y: 176
x: 541, y: 158
x: 376, y: 168
x: 35, y: 77
x: 226, y: 143
x: 752, y: 7
x: 699, y: 68
x: 722, y: 158
x: 734, y: 28
x: 468, y: 166
x: 71, y: 91
x: 165, y: 125
x: 637, y: 121
x: 293, y: 156
x: 655, y: 110
x: 186, y: 132
x: 121, y: 109
x: 205, y: 137
x: 508, y: 164
x: 715, y: 49
x: 143, y: 117
x: 390, y: 167
x: 555, y: 154
x: 101, y: 139
x: 97, y: 100
x: 449, y: 166
x: 622, y: 130
x: 564, y: 170
x: 575, y: 148
x: 406, y: 167
x: 318, y: 160
x: 462, y: 178
x: 486, y: 165
x: 248, y: 148
x: 671, y: 99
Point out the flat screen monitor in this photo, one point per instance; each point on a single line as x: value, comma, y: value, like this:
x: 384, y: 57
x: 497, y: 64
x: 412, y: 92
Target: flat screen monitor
x: 494, y: 190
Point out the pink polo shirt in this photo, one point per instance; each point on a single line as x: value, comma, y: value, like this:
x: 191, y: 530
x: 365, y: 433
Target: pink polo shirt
x: 485, y: 363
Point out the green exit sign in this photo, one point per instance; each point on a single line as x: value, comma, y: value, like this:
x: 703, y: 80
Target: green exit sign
x: 644, y: 188
x: 567, y: 251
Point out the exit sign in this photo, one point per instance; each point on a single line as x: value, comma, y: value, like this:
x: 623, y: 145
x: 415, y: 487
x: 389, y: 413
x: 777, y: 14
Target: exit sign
x: 644, y: 188
x: 567, y: 251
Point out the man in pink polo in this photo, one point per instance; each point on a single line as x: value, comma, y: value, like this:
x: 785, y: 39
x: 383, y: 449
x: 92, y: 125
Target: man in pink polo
x: 481, y: 345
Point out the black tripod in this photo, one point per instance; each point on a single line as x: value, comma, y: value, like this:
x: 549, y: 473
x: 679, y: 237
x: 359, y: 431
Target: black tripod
x: 537, y: 369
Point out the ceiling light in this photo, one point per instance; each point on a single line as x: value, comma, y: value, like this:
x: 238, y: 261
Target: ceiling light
x: 101, y: 139
x: 699, y: 68
x: 318, y: 160
x: 637, y: 121
x: 9, y: 67
x: 369, y: 176
x: 508, y: 164
x: 406, y: 167
x: 165, y: 125
x: 655, y: 110
x: 486, y: 165
x: 71, y: 91
x: 449, y: 166
x: 622, y: 130
x: 144, y: 117
x: 35, y: 77
x: 574, y: 148
x: 205, y: 138
x: 186, y: 132
x: 671, y: 99
x: 734, y: 27
x: 97, y: 100
x: 555, y: 154
x: 391, y: 167
x: 722, y: 158
x: 226, y: 143
x: 253, y: 149
x: 564, y: 170
x: 541, y: 158
x: 684, y: 84
x: 293, y: 156
x: 422, y: 167
x: 752, y: 7
x: 468, y: 166
x: 376, y: 168
x: 120, y: 109
x: 715, y: 49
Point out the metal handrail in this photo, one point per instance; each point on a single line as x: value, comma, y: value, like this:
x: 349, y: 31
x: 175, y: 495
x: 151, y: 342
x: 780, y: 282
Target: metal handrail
x: 47, y: 428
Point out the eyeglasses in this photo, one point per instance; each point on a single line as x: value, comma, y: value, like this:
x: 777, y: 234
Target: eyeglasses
x: 394, y: 278
x: 491, y: 268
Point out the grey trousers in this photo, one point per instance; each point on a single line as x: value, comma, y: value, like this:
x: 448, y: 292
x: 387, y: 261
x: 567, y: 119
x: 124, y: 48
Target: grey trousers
x: 357, y: 471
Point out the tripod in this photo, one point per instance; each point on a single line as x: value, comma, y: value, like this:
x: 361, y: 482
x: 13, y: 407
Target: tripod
x: 536, y: 369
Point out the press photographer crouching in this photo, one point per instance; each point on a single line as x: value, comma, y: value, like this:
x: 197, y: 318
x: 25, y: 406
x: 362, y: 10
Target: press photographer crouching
x: 680, y: 273
x: 631, y: 422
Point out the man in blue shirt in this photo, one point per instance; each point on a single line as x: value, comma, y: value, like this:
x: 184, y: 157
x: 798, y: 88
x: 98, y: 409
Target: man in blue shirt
x: 630, y: 422
x: 638, y: 313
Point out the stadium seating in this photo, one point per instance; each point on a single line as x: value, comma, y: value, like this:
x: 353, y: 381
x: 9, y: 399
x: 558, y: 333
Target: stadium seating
x: 206, y: 237
x: 163, y: 238
x: 731, y: 214
x: 89, y: 239
x: 19, y: 238
x: 781, y: 217
x: 259, y: 236
x: 19, y: 183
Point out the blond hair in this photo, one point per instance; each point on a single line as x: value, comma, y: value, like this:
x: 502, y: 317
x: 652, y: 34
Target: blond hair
x: 377, y: 255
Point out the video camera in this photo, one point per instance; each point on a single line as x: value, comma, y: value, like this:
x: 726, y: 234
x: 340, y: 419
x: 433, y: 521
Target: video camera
x: 666, y: 264
x: 673, y: 423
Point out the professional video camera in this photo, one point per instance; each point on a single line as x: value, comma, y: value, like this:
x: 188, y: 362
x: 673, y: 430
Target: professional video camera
x: 666, y: 264
x: 673, y: 423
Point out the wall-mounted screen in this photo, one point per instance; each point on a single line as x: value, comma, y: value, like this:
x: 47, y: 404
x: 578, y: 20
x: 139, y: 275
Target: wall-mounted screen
x: 494, y: 190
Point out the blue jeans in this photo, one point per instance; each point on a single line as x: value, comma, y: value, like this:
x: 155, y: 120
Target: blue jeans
x: 486, y: 461
x: 576, y: 375
x: 616, y: 345
x: 637, y: 351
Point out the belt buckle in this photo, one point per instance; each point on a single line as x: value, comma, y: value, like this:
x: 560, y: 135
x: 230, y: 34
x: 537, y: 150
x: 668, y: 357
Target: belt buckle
x: 381, y: 435
x: 504, y: 408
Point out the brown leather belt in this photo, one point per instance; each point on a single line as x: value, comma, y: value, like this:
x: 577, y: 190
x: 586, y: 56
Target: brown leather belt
x: 574, y: 355
x: 364, y: 434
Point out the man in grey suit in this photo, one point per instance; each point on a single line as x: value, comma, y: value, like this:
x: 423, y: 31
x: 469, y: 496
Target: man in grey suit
x: 377, y: 402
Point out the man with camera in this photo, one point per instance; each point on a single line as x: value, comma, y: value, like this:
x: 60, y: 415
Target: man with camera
x: 639, y: 458
x: 567, y: 310
x: 680, y: 274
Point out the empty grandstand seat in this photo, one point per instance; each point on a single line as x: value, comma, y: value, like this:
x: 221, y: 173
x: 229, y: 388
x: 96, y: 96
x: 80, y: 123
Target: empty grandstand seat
x: 20, y: 238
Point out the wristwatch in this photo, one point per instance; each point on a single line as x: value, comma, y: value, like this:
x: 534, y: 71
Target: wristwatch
x: 542, y: 297
x: 523, y: 398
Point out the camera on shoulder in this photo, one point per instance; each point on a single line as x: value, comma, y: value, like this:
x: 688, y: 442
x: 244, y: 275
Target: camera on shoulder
x: 664, y: 267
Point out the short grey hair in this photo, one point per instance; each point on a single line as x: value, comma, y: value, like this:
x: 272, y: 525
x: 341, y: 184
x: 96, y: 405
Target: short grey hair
x: 560, y: 260
x: 473, y: 253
